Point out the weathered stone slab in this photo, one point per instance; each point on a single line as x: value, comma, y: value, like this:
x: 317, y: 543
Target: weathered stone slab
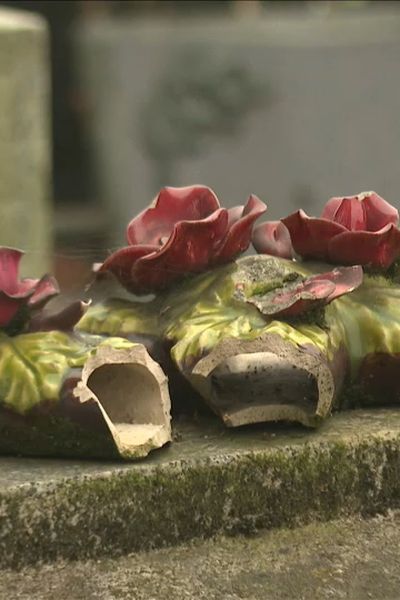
x: 24, y: 138
x: 210, y: 480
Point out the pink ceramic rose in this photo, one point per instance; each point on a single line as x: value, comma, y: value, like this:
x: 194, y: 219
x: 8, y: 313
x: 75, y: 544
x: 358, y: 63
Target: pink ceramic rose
x: 20, y: 295
x: 352, y: 230
x: 184, y: 231
x: 22, y: 300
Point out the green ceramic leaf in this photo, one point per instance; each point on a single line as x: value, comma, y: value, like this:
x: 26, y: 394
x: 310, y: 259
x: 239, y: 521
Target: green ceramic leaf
x: 202, y: 312
x: 33, y: 366
x: 121, y: 317
x: 368, y: 319
x: 196, y: 314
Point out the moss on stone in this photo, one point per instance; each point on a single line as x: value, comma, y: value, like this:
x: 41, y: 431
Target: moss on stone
x: 153, y: 505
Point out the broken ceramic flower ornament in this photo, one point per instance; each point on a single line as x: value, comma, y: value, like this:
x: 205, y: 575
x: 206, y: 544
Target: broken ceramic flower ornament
x: 269, y: 337
x: 67, y: 394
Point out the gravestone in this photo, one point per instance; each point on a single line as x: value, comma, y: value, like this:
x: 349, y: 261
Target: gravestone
x: 25, y: 220
x: 294, y: 108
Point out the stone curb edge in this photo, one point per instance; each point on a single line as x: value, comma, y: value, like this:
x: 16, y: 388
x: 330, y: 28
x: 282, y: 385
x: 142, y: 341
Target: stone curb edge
x: 140, y: 509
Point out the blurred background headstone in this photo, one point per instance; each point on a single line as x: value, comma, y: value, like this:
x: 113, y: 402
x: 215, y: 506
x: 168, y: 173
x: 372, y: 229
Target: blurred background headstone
x: 25, y: 209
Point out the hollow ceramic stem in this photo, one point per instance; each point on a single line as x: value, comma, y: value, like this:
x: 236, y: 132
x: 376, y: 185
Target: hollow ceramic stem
x: 249, y: 367
x: 80, y: 395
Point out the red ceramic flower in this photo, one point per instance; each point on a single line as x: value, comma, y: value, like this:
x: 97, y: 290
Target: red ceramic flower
x: 22, y: 300
x: 352, y: 230
x: 301, y: 295
x: 17, y: 295
x: 184, y: 231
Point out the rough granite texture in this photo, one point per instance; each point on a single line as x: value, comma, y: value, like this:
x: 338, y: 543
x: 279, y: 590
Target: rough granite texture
x: 209, y: 481
x: 347, y: 559
x: 24, y: 138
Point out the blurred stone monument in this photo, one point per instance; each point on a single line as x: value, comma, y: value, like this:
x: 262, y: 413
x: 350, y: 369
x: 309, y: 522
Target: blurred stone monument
x: 25, y: 218
x: 293, y: 107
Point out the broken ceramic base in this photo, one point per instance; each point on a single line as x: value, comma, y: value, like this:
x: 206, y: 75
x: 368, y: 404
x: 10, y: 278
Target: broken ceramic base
x: 265, y: 379
x: 85, y: 396
x: 130, y: 392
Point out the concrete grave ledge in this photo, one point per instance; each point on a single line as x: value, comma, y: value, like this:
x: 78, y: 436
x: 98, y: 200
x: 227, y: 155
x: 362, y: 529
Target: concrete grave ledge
x: 210, y: 480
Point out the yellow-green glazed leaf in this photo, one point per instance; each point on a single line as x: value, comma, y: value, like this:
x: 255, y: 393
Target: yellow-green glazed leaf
x: 33, y: 365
